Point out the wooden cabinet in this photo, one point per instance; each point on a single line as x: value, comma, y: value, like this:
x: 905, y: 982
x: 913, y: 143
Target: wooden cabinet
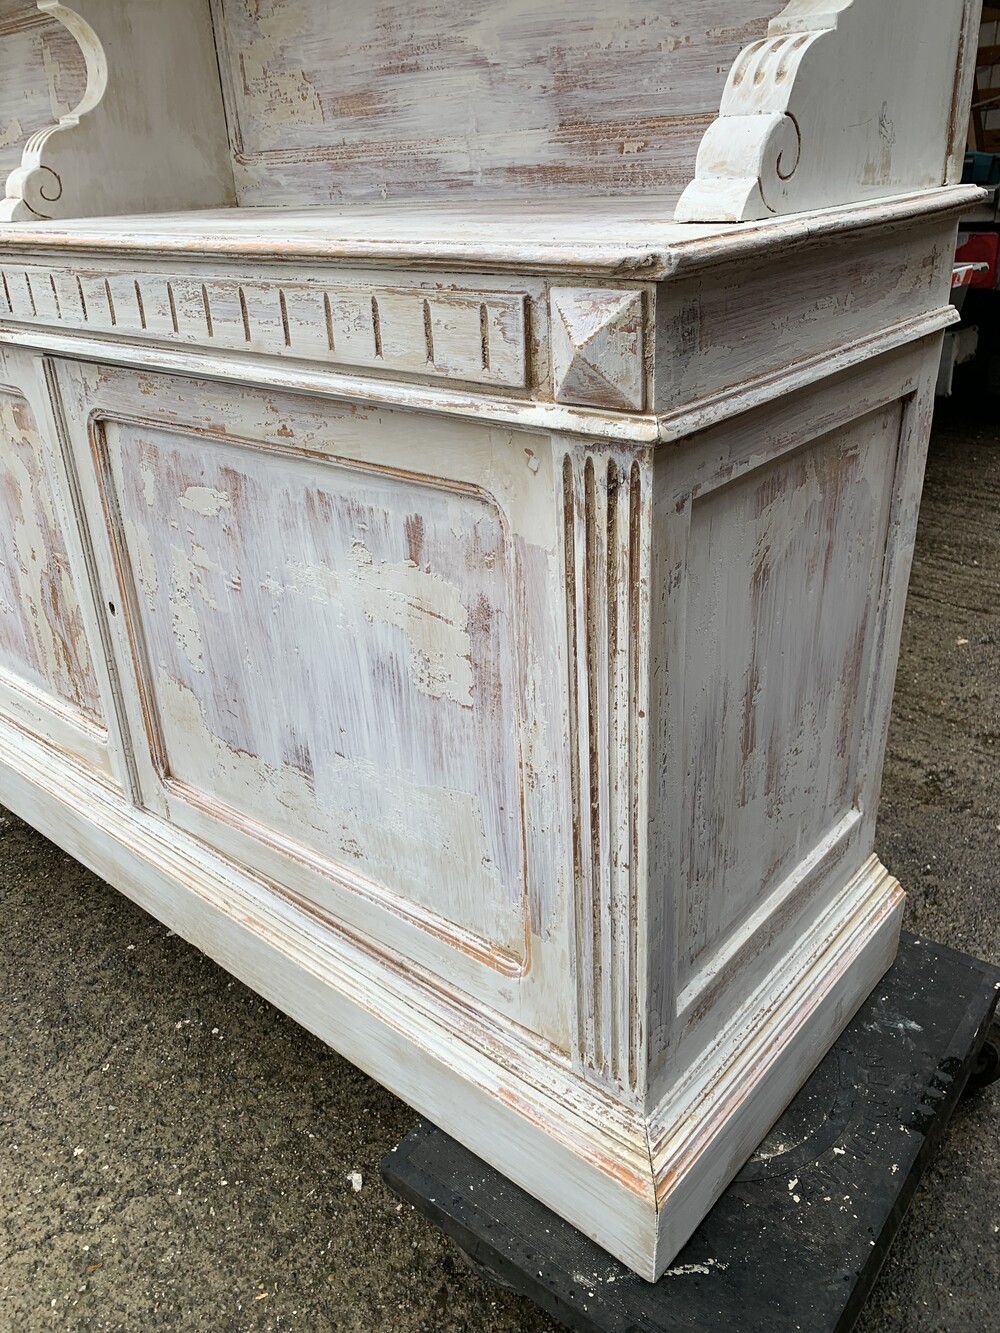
x: 459, y: 598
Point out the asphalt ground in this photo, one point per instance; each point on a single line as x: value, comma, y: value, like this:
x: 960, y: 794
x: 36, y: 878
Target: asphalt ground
x: 176, y: 1154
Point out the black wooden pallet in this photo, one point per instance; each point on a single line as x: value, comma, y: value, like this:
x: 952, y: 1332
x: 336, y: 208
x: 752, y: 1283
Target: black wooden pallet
x: 798, y: 1238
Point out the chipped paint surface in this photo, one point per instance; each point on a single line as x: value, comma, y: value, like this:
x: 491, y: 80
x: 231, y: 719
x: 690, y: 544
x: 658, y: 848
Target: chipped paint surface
x: 204, y: 500
x: 443, y: 331
x: 777, y: 635
x: 428, y: 609
x: 42, y: 637
x: 397, y: 101
x: 331, y: 659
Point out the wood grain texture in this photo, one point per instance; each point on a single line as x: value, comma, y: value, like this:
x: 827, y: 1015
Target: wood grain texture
x: 778, y: 638
x: 402, y: 101
x: 846, y: 450
x: 603, y: 242
x: 764, y: 315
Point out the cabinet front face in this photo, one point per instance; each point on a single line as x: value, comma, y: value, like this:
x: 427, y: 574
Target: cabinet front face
x: 344, y: 659
x: 48, y: 680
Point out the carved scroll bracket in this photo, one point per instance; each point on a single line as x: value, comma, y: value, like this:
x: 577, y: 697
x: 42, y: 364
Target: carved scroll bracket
x: 844, y: 100
x: 148, y: 133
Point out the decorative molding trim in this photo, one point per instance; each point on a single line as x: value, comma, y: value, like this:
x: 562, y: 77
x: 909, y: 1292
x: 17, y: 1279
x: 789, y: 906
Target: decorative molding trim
x: 597, y: 348
x: 512, y: 1097
x: 606, y: 523
x: 825, y: 111
x: 476, y: 336
x: 715, y: 1113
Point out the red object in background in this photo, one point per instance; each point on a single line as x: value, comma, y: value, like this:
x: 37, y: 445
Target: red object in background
x: 981, y: 247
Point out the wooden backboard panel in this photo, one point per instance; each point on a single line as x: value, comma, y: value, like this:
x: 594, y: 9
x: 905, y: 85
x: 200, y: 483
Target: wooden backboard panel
x: 395, y: 100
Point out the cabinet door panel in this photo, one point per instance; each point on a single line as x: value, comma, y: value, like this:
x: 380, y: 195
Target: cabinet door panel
x: 344, y: 654
x: 48, y: 678
x: 329, y: 657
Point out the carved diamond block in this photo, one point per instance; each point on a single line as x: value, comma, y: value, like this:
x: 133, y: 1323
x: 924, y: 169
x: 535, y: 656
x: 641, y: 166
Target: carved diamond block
x: 597, y: 346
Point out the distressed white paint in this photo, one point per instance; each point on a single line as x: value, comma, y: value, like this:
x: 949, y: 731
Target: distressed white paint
x: 434, y: 330
x: 491, y: 608
x: 50, y: 78
x: 41, y: 634
x: 147, y: 130
x: 598, y: 347
x: 826, y: 109
x: 339, y: 101
x: 51, y: 670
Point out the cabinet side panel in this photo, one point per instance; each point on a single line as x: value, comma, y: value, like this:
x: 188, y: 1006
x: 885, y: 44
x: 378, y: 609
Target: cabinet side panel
x: 783, y: 579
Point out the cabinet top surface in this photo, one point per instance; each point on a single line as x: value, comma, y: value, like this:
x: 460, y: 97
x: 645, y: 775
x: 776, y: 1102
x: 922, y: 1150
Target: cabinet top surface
x: 614, y: 238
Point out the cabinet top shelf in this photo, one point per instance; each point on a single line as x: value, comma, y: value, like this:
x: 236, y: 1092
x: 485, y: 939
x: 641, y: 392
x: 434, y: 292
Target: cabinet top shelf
x: 620, y: 239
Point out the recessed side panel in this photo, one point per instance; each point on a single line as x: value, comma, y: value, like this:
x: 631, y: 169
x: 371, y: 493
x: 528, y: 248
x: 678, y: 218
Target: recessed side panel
x: 44, y: 650
x: 784, y: 571
x: 326, y: 651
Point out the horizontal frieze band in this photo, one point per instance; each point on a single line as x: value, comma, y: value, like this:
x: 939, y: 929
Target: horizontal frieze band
x: 477, y: 336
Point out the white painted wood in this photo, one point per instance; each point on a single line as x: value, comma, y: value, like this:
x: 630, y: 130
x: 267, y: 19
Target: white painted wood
x: 843, y: 100
x: 51, y: 76
x: 147, y: 132
x: 442, y: 330
x: 273, y: 548
x: 51, y: 670
x: 600, y: 241
x: 473, y: 622
x: 529, y: 99
x: 765, y: 314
